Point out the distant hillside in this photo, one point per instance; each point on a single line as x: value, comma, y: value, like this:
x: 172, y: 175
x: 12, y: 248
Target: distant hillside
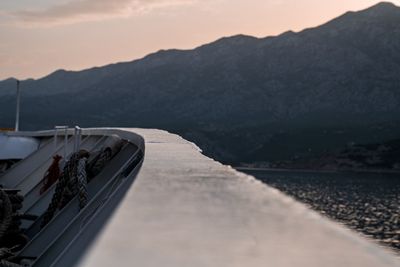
x: 242, y: 99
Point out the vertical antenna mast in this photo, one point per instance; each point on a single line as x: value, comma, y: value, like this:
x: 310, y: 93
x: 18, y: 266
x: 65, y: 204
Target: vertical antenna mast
x: 17, y: 111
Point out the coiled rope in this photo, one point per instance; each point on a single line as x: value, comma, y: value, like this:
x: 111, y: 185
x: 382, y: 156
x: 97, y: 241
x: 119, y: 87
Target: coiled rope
x: 6, y: 213
x: 99, y: 161
x: 74, y: 179
x: 6, y: 263
x: 67, y: 185
x: 82, y: 183
x: 11, y: 237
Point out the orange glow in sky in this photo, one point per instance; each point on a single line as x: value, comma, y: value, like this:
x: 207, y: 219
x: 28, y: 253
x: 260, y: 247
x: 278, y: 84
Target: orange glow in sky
x: 38, y: 37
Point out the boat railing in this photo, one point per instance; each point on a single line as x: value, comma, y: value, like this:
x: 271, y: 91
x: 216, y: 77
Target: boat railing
x: 56, y: 130
x: 77, y: 138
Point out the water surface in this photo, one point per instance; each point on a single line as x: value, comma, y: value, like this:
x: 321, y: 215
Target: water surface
x: 366, y: 202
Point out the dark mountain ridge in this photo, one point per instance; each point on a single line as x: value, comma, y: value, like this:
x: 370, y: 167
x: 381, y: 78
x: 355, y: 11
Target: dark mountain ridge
x: 242, y: 98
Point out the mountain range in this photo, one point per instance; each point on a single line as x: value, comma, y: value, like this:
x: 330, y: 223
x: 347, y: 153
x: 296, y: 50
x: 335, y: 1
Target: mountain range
x: 241, y: 98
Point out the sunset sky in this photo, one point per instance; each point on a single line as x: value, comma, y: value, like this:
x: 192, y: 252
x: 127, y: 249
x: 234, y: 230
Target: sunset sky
x: 38, y: 37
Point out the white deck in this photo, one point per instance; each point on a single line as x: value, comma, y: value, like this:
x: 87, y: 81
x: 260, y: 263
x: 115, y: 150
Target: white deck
x: 187, y: 210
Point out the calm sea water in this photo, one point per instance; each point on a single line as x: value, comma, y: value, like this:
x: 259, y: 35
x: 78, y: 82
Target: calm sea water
x: 366, y: 202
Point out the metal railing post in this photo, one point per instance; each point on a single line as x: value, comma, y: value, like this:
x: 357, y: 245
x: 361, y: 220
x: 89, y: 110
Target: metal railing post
x: 65, y: 128
x: 65, y: 142
x: 80, y: 138
x: 77, y: 139
x: 75, y: 134
x: 55, y: 140
x: 17, y: 108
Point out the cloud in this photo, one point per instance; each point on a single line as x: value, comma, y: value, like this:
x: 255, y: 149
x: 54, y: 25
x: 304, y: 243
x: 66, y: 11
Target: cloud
x: 90, y: 10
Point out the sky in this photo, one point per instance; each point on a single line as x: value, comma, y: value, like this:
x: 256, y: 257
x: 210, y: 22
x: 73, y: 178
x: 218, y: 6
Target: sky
x: 41, y: 36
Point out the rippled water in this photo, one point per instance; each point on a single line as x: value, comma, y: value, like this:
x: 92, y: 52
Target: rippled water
x: 366, y: 202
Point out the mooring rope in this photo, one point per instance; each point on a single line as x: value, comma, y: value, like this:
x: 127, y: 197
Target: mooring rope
x: 6, y: 213
x: 5, y: 263
x: 99, y: 161
x: 10, y: 203
x: 67, y: 186
x: 82, y: 183
x: 5, y: 255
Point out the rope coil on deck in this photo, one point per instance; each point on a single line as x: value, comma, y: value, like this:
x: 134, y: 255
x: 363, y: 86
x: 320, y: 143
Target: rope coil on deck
x: 5, y: 263
x: 74, y: 179
x: 82, y: 183
x: 99, y: 161
x: 67, y: 186
x: 11, y: 237
x: 6, y: 213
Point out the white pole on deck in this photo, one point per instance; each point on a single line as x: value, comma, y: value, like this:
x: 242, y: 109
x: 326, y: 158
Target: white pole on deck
x: 17, y: 111
x: 55, y: 139
x: 56, y: 130
x: 65, y: 142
